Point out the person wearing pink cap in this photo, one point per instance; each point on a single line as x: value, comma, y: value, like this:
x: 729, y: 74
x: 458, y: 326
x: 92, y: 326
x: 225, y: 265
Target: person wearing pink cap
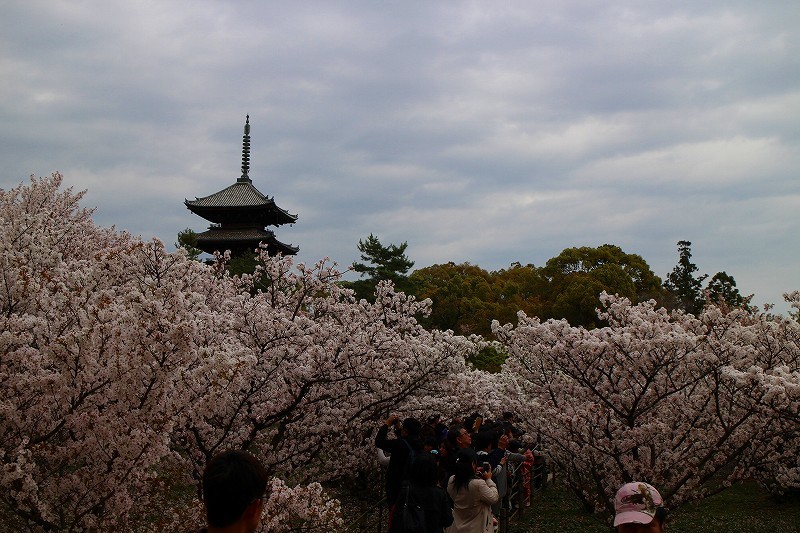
x: 639, y: 508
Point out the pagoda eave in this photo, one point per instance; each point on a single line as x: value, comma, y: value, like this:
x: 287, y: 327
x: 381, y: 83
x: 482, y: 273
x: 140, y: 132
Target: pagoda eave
x: 260, y: 215
x: 240, y: 241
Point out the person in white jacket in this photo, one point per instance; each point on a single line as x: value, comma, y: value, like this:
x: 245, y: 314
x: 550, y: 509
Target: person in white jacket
x: 473, y: 492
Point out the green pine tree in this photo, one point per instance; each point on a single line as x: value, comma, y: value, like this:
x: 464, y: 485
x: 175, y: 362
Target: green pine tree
x: 380, y: 263
x: 685, y: 287
x: 187, y: 239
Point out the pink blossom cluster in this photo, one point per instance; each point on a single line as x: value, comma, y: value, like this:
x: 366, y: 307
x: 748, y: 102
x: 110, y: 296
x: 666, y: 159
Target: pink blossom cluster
x: 124, y: 368
x: 308, y: 505
x: 687, y: 403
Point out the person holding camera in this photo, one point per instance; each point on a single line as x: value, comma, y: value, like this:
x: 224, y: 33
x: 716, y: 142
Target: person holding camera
x: 473, y: 492
x: 422, y: 491
x: 401, y: 452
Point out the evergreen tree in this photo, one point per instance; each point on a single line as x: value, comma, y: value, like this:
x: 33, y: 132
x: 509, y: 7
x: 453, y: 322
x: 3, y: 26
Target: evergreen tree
x: 465, y: 297
x: 685, y: 287
x: 577, y: 276
x: 380, y: 263
x: 187, y: 239
x: 722, y: 288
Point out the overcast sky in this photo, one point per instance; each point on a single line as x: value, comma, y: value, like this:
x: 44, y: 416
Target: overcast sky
x: 485, y: 132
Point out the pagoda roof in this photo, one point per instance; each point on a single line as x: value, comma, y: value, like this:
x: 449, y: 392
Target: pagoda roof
x: 220, y: 239
x: 242, y: 195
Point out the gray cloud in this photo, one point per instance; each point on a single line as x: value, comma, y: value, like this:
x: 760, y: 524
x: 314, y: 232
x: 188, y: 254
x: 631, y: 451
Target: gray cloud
x: 474, y: 131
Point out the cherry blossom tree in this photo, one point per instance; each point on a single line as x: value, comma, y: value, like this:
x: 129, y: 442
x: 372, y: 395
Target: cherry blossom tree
x: 94, y: 331
x: 124, y: 368
x: 775, y: 343
x: 318, y: 368
x: 672, y: 399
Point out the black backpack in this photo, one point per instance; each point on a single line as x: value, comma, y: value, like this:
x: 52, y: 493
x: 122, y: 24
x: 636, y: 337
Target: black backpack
x: 408, y: 516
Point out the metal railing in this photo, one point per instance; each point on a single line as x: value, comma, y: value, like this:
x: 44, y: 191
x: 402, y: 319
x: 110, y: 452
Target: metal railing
x: 514, y: 501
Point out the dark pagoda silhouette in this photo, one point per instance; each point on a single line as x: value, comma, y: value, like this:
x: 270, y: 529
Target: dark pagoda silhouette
x: 240, y: 215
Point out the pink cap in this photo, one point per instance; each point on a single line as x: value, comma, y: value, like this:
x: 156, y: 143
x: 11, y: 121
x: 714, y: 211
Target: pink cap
x: 636, y: 503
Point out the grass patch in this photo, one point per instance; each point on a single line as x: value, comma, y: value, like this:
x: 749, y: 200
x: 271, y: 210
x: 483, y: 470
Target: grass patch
x: 744, y: 508
x: 557, y: 509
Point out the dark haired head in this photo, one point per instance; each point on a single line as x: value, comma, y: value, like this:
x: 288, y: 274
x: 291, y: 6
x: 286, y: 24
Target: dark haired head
x: 412, y: 427
x: 514, y: 431
x: 429, y: 444
x: 447, y: 447
x: 466, y: 460
x: 483, y: 440
x: 423, y: 471
x: 469, y: 422
x: 232, y: 481
x: 453, y: 432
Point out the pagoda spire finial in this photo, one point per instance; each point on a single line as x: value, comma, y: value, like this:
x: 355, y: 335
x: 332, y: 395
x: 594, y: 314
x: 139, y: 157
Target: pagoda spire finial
x: 246, y: 152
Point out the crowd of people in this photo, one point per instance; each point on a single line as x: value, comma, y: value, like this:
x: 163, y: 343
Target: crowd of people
x: 453, y: 478
x: 457, y: 473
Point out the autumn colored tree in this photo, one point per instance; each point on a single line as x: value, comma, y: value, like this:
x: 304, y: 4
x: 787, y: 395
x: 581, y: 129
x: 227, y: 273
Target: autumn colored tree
x: 577, y: 276
x: 520, y: 288
x: 464, y: 297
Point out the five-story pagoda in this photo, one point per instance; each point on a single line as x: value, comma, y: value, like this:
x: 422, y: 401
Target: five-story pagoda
x: 240, y: 215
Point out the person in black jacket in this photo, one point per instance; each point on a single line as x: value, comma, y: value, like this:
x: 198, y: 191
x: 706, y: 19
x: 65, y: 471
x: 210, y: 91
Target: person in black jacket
x: 424, y: 492
x: 400, y: 450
